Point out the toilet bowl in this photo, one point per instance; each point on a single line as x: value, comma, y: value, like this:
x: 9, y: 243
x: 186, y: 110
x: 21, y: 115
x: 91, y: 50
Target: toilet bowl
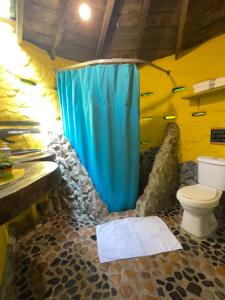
x: 199, y: 200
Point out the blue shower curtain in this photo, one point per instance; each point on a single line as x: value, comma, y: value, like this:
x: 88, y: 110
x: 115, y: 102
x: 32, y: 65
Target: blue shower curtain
x: 100, y: 113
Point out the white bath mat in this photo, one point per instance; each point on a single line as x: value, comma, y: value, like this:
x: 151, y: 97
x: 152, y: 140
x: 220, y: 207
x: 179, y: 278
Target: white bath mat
x: 133, y: 237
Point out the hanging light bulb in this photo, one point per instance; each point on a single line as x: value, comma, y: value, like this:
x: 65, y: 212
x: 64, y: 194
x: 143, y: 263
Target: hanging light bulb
x: 85, y: 12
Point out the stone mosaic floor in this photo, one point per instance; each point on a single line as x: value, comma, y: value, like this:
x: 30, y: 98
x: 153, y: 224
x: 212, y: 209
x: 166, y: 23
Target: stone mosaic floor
x: 58, y: 261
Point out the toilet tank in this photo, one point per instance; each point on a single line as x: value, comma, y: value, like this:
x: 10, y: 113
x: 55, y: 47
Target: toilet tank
x: 211, y: 172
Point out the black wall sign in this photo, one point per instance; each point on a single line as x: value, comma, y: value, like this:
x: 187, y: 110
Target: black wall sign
x: 217, y: 136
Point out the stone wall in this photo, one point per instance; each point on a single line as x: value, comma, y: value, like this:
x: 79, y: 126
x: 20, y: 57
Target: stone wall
x: 160, y: 192
x: 76, y: 191
x: 146, y: 164
x: 188, y: 173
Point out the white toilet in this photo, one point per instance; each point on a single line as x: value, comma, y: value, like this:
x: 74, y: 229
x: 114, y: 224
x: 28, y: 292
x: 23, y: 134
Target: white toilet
x: 199, y: 200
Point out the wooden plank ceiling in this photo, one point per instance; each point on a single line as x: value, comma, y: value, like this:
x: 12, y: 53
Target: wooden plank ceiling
x: 146, y: 29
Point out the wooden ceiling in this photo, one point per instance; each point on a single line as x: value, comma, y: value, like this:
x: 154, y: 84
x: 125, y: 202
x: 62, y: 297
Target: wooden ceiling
x: 146, y: 29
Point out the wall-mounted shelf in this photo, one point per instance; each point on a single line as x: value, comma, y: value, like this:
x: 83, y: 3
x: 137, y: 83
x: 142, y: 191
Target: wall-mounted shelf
x: 211, y: 91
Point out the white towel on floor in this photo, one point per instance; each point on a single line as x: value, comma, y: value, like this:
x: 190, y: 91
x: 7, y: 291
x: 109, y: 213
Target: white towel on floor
x: 134, y: 237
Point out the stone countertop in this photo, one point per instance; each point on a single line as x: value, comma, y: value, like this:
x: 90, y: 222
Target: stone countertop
x: 39, y: 178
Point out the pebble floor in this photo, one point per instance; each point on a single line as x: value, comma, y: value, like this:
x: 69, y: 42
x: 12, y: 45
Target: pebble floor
x: 58, y: 260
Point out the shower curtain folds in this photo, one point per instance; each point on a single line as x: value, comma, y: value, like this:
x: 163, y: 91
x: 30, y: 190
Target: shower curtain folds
x: 100, y: 113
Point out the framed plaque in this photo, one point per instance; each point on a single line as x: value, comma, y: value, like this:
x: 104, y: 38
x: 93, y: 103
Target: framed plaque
x: 217, y: 136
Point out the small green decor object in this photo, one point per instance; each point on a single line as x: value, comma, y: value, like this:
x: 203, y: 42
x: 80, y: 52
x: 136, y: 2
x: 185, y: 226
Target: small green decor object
x: 146, y: 118
x: 145, y: 143
x: 198, y: 113
x: 6, y: 175
x: 145, y: 94
x: 28, y: 81
x: 5, y: 165
x: 177, y: 89
x: 170, y: 117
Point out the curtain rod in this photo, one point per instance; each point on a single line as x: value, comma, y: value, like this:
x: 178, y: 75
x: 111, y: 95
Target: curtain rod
x: 115, y: 61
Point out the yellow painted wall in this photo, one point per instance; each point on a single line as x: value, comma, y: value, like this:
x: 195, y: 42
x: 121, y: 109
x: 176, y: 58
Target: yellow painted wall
x: 31, y: 214
x: 204, y: 62
x: 20, y: 101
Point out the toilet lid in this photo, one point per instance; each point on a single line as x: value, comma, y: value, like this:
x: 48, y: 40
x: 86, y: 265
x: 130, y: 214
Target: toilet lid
x: 199, y: 192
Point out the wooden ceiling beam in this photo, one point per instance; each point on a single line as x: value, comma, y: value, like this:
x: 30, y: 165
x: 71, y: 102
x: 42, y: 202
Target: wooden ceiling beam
x: 60, y: 27
x: 142, y: 22
x: 180, y: 33
x: 19, y: 20
x: 105, y: 26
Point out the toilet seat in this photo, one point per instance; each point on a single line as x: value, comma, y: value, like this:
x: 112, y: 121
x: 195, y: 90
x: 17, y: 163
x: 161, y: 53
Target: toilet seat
x: 198, y: 196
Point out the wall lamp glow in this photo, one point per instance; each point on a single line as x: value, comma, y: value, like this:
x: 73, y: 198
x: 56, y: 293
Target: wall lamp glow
x: 198, y: 113
x: 146, y: 118
x: 177, y: 89
x: 171, y: 117
x: 145, y: 94
x: 145, y: 143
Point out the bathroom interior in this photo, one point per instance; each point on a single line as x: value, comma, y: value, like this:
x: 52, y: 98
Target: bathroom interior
x: 112, y: 149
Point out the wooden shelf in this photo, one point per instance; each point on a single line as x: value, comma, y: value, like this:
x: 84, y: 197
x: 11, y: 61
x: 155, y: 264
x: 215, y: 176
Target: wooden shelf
x: 211, y: 91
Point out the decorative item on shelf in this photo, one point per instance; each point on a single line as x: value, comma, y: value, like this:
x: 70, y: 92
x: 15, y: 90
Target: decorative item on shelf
x: 203, y: 85
x: 146, y: 118
x: 199, y: 95
x: 145, y: 94
x: 5, y: 163
x: 177, y: 89
x: 219, y: 82
x: 198, y: 113
x: 145, y: 143
x: 170, y: 117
